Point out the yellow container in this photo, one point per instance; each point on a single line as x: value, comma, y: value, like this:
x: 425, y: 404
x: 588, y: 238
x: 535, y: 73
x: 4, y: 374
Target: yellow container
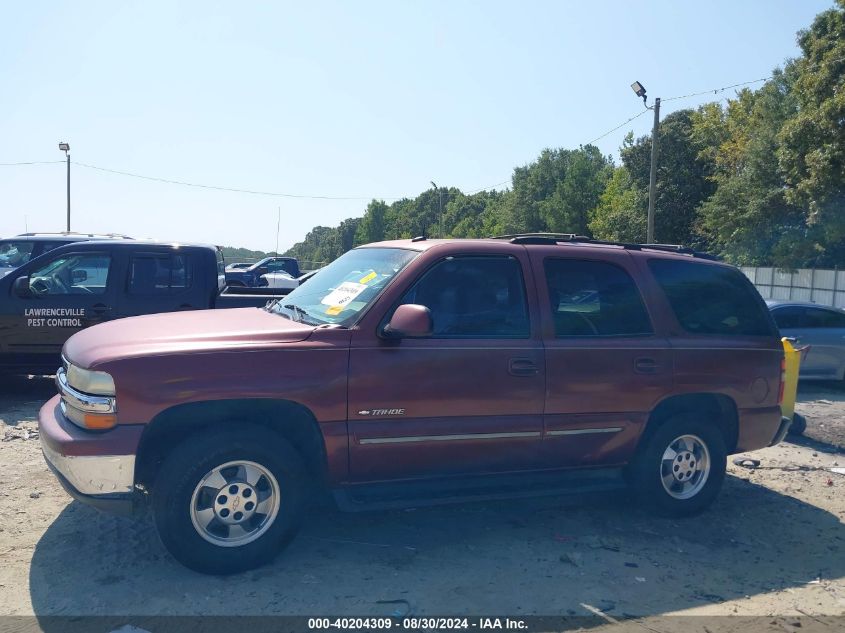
x: 792, y: 356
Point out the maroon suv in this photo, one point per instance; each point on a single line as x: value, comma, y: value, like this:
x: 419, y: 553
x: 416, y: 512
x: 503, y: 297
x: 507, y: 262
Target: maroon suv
x: 421, y: 371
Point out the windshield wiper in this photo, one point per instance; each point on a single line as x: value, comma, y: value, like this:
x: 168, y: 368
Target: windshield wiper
x: 302, y: 314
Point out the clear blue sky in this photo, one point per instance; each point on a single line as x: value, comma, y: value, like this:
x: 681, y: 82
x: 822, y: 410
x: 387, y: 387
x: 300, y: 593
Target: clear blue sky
x: 362, y: 99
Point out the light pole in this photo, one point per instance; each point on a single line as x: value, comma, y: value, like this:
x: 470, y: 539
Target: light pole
x: 639, y: 89
x: 440, y: 205
x: 65, y: 147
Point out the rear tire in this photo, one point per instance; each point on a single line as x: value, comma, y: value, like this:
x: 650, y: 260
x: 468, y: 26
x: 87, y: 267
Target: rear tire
x: 225, y: 501
x: 680, y: 467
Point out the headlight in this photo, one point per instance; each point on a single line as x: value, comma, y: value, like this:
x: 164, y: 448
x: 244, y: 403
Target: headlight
x: 87, y: 397
x: 95, y: 382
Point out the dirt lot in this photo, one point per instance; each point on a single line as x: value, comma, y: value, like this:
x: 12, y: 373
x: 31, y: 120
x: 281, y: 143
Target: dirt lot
x: 773, y: 544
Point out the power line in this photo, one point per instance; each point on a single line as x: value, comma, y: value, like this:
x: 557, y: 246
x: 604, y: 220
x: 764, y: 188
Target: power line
x: 716, y: 90
x: 183, y: 183
x: 33, y: 162
x: 753, y: 81
x: 231, y: 189
x: 624, y: 123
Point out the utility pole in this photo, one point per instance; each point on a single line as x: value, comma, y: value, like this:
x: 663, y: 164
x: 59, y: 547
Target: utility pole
x: 640, y: 91
x: 65, y: 147
x: 278, y: 224
x: 652, y: 179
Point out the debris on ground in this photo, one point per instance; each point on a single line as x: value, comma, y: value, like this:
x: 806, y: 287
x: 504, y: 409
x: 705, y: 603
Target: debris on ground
x: 18, y: 433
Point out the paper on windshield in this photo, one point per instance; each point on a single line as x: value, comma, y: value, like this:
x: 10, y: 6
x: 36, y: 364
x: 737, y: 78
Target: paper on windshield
x: 344, y: 294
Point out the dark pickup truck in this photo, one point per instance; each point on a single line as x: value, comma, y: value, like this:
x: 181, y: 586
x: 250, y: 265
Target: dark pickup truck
x: 84, y: 283
x: 416, y: 372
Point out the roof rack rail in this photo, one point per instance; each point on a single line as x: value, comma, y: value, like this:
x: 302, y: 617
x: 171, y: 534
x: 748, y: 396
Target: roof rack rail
x: 73, y: 233
x: 540, y: 238
x: 570, y: 238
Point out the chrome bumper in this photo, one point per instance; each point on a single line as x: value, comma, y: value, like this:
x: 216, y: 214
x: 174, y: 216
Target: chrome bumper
x: 94, y: 475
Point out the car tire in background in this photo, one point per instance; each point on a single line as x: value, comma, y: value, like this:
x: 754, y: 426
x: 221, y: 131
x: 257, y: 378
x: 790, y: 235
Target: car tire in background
x: 227, y: 500
x: 680, y: 466
x: 799, y: 424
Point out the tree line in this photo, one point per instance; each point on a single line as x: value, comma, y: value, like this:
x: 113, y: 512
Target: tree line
x: 759, y: 180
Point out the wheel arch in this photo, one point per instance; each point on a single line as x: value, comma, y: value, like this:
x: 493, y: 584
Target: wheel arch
x: 292, y: 420
x: 716, y: 406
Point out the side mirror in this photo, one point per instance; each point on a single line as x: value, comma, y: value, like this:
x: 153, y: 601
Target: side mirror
x: 79, y: 275
x: 410, y: 321
x: 21, y: 287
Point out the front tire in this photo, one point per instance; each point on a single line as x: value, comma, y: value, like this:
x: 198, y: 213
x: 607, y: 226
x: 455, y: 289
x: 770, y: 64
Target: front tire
x: 225, y: 501
x: 679, y: 469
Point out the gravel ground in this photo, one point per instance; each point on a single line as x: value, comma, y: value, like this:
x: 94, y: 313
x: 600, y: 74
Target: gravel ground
x: 773, y: 544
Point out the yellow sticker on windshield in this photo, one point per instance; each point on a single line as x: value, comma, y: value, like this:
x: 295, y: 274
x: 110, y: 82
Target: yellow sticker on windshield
x: 334, y: 310
x: 368, y: 278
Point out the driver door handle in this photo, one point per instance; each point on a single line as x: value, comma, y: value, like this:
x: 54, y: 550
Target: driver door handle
x: 522, y: 367
x: 100, y: 308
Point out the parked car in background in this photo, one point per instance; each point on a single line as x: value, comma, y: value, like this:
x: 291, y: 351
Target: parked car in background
x: 18, y: 250
x: 251, y: 277
x: 74, y: 286
x: 822, y: 328
x: 280, y: 279
x: 238, y: 266
x: 421, y: 371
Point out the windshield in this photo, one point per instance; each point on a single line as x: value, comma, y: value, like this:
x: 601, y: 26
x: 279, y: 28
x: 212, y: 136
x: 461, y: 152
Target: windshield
x: 15, y: 253
x: 338, y: 292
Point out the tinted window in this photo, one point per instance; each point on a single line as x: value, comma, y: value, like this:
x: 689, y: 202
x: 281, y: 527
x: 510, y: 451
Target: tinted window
x: 790, y: 317
x: 16, y: 253
x: 159, y: 274
x: 474, y: 297
x: 83, y: 274
x: 283, y: 266
x: 818, y: 318
x: 710, y: 299
x: 594, y: 299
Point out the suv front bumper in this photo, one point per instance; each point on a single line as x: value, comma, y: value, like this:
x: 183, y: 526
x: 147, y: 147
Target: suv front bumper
x: 95, y: 468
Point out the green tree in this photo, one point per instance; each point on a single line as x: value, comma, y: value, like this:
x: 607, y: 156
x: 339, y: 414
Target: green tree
x: 622, y: 209
x: 372, y: 225
x: 683, y: 178
x: 812, y: 143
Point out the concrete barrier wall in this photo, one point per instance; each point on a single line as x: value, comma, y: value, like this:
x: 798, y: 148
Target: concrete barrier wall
x: 822, y: 286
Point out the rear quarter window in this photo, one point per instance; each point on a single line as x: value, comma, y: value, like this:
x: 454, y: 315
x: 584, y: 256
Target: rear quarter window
x: 710, y: 299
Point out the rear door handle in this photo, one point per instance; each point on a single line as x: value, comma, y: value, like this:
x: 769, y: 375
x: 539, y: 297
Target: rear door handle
x: 186, y: 306
x: 646, y: 366
x: 100, y: 308
x: 522, y: 367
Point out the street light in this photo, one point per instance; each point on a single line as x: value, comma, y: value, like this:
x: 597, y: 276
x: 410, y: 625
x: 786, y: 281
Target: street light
x: 65, y: 147
x: 440, y: 195
x: 640, y: 91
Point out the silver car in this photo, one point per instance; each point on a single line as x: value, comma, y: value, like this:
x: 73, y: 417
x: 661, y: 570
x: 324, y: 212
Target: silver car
x: 820, y: 327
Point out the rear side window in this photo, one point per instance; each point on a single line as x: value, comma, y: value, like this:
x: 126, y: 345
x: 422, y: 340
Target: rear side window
x: 159, y: 274
x: 708, y: 299
x: 808, y: 318
x: 591, y: 298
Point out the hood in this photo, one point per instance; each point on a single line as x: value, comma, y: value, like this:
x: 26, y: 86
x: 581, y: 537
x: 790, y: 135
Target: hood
x: 169, y: 333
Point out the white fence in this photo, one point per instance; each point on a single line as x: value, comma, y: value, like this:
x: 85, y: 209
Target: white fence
x: 825, y: 287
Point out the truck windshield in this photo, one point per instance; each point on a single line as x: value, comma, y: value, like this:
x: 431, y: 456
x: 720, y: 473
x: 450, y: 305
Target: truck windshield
x: 338, y: 292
